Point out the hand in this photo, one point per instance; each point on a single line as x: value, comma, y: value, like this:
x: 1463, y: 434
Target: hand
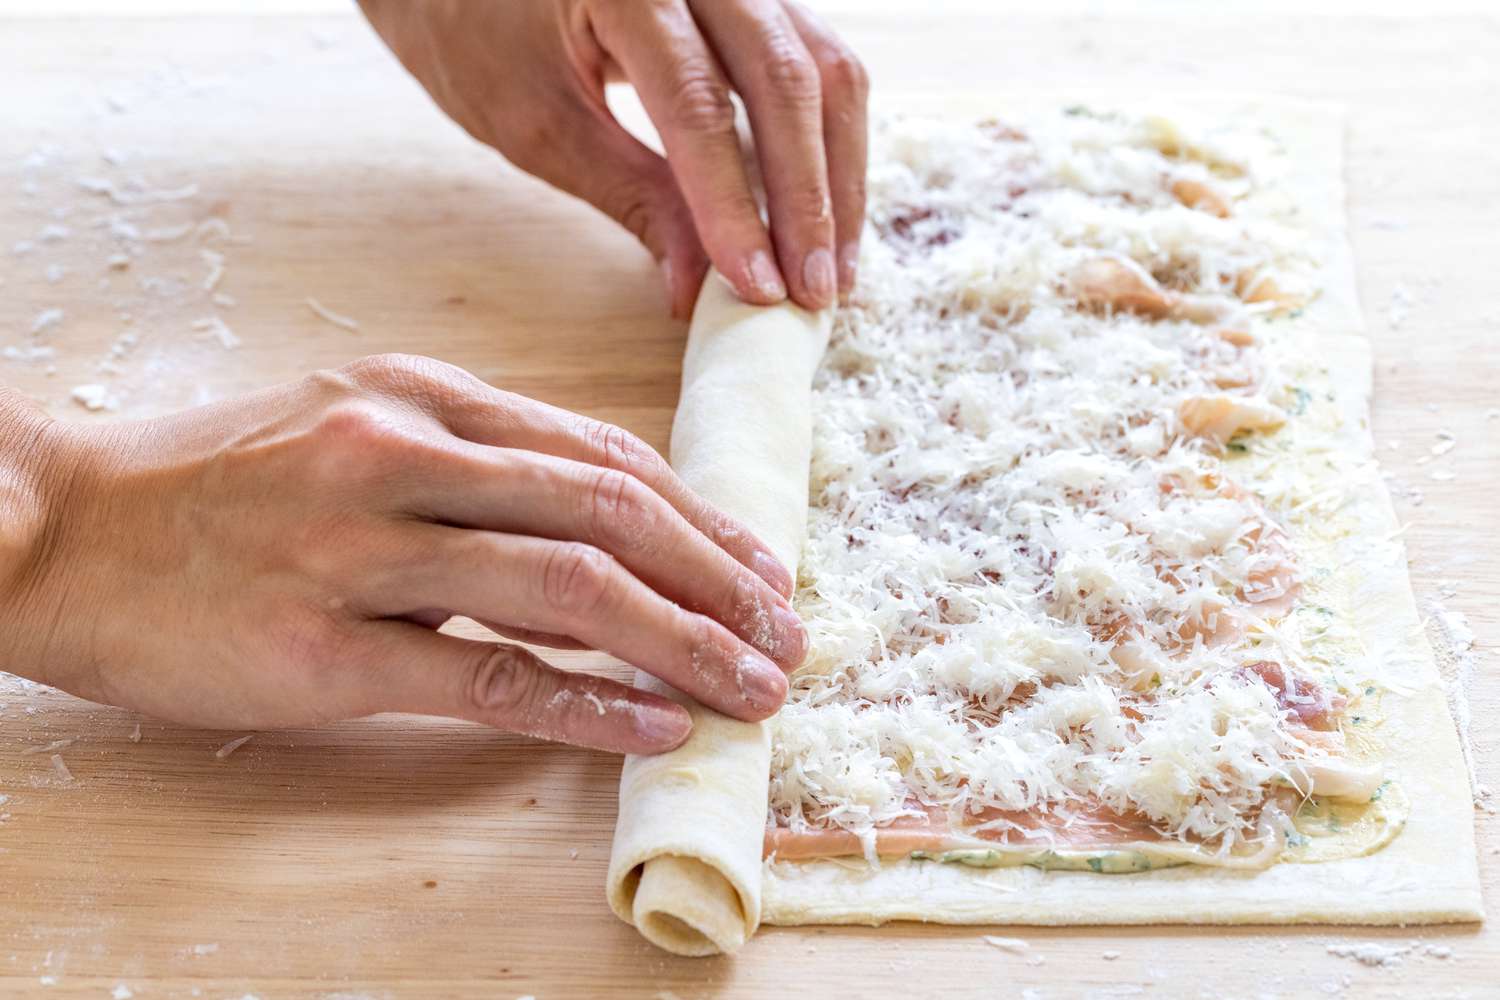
x: 527, y: 77
x: 285, y: 558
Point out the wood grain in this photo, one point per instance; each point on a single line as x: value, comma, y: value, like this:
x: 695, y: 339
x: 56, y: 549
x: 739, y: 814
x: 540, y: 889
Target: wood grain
x: 414, y: 857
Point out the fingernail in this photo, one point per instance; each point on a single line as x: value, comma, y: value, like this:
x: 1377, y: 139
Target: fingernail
x: 766, y: 278
x: 848, y: 265
x: 818, y: 276
x: 769, y: 569
x: 791, y: 637
x: 759, y: 681
x: 662, y: 727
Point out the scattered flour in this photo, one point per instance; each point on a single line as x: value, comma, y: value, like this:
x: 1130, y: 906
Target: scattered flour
x: 1378, y: 955
x: 1371, y: 953
x: 216, y: 328
x: 46, y: 320
x: 29, y: 352
x: 1453, y: 643
x: 1400, y: 306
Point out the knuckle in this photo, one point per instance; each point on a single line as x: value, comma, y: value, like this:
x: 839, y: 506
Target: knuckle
x: 701, y: 104
x: 576, y: 580
x: 619, y: 449
x: 356, y: 441
x: 631, y: 204
x: 843, y: 73
x: 503, y: 683
x: 356, y: 425
x: 789, y: 71
x: 701, y: 632
x: 745, y: 596
x: 809, y: 202
x: 409, y: 376
x: 377, y: 368
x: 621, y: 512
x: 304, y: 637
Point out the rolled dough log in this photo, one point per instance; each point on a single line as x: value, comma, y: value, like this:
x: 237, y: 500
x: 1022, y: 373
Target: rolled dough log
x: 685, y: 868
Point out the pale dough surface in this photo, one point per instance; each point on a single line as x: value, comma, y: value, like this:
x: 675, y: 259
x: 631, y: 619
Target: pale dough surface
x: 1430, y: 872
x: 685, y: 867
x: 741, y: 438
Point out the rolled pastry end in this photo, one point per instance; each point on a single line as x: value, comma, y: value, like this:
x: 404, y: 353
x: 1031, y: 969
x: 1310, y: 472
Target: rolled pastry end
x: 689, y: 908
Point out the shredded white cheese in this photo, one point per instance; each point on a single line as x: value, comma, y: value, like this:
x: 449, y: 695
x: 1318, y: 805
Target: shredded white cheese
x: 1029, y: 582
x: 329, y: 316
x: 94, y: 396
x: 228, y: 748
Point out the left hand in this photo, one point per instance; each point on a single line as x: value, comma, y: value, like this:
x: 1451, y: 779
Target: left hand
x: 527, y: 78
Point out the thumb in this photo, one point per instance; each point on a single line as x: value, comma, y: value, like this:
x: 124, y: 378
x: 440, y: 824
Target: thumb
x: 590, y: 155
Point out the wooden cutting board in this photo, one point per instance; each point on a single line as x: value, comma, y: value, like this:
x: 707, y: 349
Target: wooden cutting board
x: 406, y: 856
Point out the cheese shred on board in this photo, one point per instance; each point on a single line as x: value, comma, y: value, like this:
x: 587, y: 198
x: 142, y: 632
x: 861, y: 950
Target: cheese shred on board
x: 1055, y: 601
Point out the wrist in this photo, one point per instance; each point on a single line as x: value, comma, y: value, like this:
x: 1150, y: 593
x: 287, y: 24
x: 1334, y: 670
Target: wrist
x: 38, y: 459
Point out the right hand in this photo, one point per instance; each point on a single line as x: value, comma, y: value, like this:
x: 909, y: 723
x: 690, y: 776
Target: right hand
x: 528, y: 76
x: 284, y: 559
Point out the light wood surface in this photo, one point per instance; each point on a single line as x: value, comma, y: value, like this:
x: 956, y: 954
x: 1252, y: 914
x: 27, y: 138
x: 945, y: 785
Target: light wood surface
x: 415, y: 857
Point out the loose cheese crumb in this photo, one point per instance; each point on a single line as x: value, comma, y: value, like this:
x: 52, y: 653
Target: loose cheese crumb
x: 228, y: 748
x: 94, y: 396
x: 328, y: 315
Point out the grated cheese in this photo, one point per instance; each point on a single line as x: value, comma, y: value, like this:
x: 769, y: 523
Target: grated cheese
x: 52, y: 747
x: 1029, y: 582
x: 215, y: 327
x: 329, y: 316
x: 94, y: 396
x: 228, y: 748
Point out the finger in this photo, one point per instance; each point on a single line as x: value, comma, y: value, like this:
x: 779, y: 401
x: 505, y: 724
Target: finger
x: 589, y: 154
x: 411, y: 669
x: 454, y: 402
x: 572, y: 589
x: 527, y: 493
x: 775, y: 74
x: 500, y: 419
x: 583, y: 439
x: 687, y: 97
x: 846, y: 91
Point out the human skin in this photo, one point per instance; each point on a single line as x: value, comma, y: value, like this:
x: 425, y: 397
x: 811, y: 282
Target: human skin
x: 284, y: 559
x: 527, y: 77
